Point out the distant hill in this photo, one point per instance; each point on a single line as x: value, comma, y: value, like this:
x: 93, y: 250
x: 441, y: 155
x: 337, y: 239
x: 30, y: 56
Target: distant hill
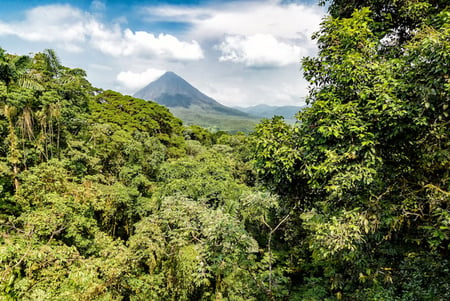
x: 193, y: 107
x: 266, y: 111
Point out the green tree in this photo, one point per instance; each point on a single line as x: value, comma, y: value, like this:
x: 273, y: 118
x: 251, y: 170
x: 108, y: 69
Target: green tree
x: 186, y: 251
x: 15, y: 102
x: 39, y: 111
x: 366, y: 166
x: 133, y: 114
x: 54, y: 249
x: 393, y: 19
x: 207, y: 177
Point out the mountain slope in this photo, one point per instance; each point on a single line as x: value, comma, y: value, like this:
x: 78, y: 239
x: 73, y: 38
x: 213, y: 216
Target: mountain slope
x: 266, y: 111
x: 173, y: 91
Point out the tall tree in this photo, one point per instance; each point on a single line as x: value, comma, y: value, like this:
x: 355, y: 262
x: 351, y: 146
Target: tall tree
x: 13, y: 75
x: 367, y: 166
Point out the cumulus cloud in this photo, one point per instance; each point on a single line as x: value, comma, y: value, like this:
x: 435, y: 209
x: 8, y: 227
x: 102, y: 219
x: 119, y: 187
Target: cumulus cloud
x: 219, y: 44
x: 72, y: 29
x: 289, y: 21
x: 254, y: 33
x: 164, y: 45
x: 260, y: 50
x: 136, y: 80
x: 53, y: 23
x: 116, y: 42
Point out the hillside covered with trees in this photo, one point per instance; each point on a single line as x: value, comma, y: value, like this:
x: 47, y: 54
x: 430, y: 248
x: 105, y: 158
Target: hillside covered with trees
x: 108, y: 197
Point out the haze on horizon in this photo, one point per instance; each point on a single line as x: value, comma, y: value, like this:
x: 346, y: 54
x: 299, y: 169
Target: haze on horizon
x: 241, y: 53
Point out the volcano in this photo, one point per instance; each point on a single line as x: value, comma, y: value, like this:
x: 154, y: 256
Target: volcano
x: 173, y: 91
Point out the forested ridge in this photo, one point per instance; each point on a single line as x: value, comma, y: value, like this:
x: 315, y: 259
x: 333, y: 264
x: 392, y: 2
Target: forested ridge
x: 108, y: 197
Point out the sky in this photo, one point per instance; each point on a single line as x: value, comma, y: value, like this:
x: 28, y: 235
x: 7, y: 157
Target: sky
x: 241, y: 53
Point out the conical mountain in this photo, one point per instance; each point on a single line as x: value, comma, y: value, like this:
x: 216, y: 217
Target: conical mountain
x: 173, y: 91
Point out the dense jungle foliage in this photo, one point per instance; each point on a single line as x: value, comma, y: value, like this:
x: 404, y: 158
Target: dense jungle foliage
x: 108, y: 197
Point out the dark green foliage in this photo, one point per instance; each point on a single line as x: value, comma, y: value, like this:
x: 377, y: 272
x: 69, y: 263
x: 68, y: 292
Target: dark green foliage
x: 192, y: 252
x: 54, y: 247
x: 367, y: 167
x: 206, y: 177
x: 195, y: 132
x: 396, y: 19
x: 133, y: 114
x: 276, y: 161
x: 42, y: 103
x: 108, y: 197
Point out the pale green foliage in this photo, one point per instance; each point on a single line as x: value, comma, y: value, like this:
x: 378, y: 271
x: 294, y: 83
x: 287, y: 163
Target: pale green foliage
x: 205, y: 176
x: 191, y: 251
x: 342, y: 233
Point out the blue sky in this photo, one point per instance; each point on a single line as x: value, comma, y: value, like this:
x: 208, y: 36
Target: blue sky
x: 241, y: 53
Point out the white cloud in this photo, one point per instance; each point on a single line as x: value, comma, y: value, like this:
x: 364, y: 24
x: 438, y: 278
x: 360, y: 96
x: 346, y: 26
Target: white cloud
x: 53, y: 23
x: 72, y: 29
x: 116, y: 55
x: 291, y: 21
x: 163, y: 45
x: 117, y: 42
x: 98, y: 5
x: 289, y: 93
x: 260, y: 50
x: 227, y: 94
x: 254, y: 33
x: 136, y: 80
